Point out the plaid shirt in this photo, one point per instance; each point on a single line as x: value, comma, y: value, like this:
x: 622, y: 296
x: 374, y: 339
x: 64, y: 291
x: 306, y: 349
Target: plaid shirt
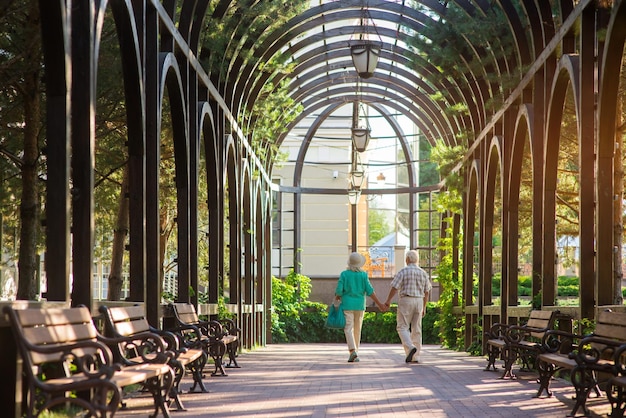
x: 411, y: 281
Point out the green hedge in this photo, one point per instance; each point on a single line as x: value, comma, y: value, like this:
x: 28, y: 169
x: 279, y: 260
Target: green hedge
x: 566, y: 286
x: 378, y: 327
x: 295, y: 319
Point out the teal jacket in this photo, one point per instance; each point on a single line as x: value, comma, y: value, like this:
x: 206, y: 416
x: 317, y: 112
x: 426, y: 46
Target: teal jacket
x: 352, y: 287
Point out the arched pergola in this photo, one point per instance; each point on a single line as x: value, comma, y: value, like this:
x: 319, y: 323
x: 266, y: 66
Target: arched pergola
x: 554, y: 46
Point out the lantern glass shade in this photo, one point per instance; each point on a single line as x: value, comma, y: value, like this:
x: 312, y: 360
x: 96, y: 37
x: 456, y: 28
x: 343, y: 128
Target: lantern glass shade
x: 353, y: 196
x: 360, y: 138
x: 365, y: 58
x: 356, y: 178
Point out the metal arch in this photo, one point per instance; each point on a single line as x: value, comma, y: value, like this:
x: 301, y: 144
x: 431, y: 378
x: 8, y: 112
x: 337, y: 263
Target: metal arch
x: 519, y: 34
x: 371, y: 94
x: 522, y: 136
x: 342, y: 19
x: 398, y: 102
x: 322, y: 60
x: 317, y: 81
x: 171, y: 80
x: 392, y: 104
x: 229, y: 78
x: 387, y: 87
x: 406, y: 149
x: 535, y: 17
x: 493, y: 167
x: 524, y: 122
x: 329, y: 110
x: 400, y: 71
x: 553, y: 125
x: 469, y: 216
x: 304, y: 146
x: 477, y: 81
x: 607, y: 110
x: 134, y: 88
x: 190, y: 22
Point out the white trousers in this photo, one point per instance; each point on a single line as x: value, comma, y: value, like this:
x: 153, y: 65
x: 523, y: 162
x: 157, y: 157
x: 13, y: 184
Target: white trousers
x: 409, y: 324
x: 352, y: 330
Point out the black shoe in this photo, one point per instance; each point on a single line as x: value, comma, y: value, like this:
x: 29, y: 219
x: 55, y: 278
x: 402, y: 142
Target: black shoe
x: 409, y: 357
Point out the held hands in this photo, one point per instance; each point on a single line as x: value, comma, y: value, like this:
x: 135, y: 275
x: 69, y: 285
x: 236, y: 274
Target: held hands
x: 382, y: 307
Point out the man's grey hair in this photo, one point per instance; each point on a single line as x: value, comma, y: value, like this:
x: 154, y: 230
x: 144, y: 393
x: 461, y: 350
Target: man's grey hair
x: 412, y: 257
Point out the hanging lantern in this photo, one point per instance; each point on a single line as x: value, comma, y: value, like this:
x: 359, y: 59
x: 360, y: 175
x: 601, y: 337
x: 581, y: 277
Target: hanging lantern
x: 354, y: 195
x: 360, y: 138
x: 365, y: 57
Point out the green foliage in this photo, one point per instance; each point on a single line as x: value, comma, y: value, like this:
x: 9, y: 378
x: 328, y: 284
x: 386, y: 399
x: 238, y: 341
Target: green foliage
x: 428, y: 172
x: 584, y: 326
x: 447, y: 158
x: 230, y: 41
x: 524, y: 285
x: 295, y: 319
x: 430, y: 329
x: 379, y: 327
x: 378, y: 225
x: 442, y: 45
x: 449, y: 202
x: 289, y: 300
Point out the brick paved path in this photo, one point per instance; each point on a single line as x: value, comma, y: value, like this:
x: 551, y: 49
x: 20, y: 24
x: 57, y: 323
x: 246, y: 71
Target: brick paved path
x: 315, y: 380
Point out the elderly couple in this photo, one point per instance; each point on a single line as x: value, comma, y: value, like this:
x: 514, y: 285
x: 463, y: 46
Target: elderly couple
x: 411, y: 284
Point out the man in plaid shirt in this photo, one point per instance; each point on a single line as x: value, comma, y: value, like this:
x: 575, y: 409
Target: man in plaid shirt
x: 413, y: 286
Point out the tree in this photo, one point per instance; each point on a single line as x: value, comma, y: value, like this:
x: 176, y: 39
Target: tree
x: 21, y: 104
x: 378, y: 225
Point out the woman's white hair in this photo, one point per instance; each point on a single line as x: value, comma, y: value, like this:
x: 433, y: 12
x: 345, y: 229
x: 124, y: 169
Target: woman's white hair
x: 412, y: 257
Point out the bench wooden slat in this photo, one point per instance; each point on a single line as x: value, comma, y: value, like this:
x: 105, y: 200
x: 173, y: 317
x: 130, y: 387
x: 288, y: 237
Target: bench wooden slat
x: 611, y: 331
x: 135, y: 326
x: 53, y: 316
x: 126, y: 313
x: 60, y: 334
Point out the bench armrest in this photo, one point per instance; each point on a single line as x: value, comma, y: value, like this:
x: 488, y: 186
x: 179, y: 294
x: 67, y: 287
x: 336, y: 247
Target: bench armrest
x: 517, y: 333
x: 496, y: 331
x: 619, y: 359
x: 594, y: 351
x: 558, y: 341
x: 230, y: 326
x: 147, y: 346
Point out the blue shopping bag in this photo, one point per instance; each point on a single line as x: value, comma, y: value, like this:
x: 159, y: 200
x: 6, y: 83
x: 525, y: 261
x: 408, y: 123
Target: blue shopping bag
x: 335, y: 318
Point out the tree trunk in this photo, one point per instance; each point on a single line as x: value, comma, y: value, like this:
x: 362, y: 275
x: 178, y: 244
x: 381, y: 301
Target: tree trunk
x: 618, y: 228
x: 166, y: 226
x: 28, y: 284
x: 119, y: 242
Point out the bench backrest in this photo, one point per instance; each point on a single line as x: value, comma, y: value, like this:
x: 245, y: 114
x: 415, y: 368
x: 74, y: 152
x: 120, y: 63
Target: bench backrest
x: 52, y: 328
x: 126, y: 321
x: 611, y: 325
x: 540, y: 319
x: 186, y: 313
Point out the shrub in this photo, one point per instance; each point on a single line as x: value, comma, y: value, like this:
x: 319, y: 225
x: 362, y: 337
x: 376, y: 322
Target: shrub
x: 378, y: 327
x: 524, y: 286
x: 295, y: 319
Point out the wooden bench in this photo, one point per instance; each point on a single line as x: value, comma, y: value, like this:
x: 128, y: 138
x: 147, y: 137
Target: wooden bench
x: 616, y: 389
x: 589, y: 359
x: 219, y: 337
x: 130, y: 321
x: 513, y: 342
x: 68, y: 339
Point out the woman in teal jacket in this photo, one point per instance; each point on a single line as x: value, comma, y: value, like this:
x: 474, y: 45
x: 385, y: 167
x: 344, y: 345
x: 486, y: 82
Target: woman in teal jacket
x: 351, y: 290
